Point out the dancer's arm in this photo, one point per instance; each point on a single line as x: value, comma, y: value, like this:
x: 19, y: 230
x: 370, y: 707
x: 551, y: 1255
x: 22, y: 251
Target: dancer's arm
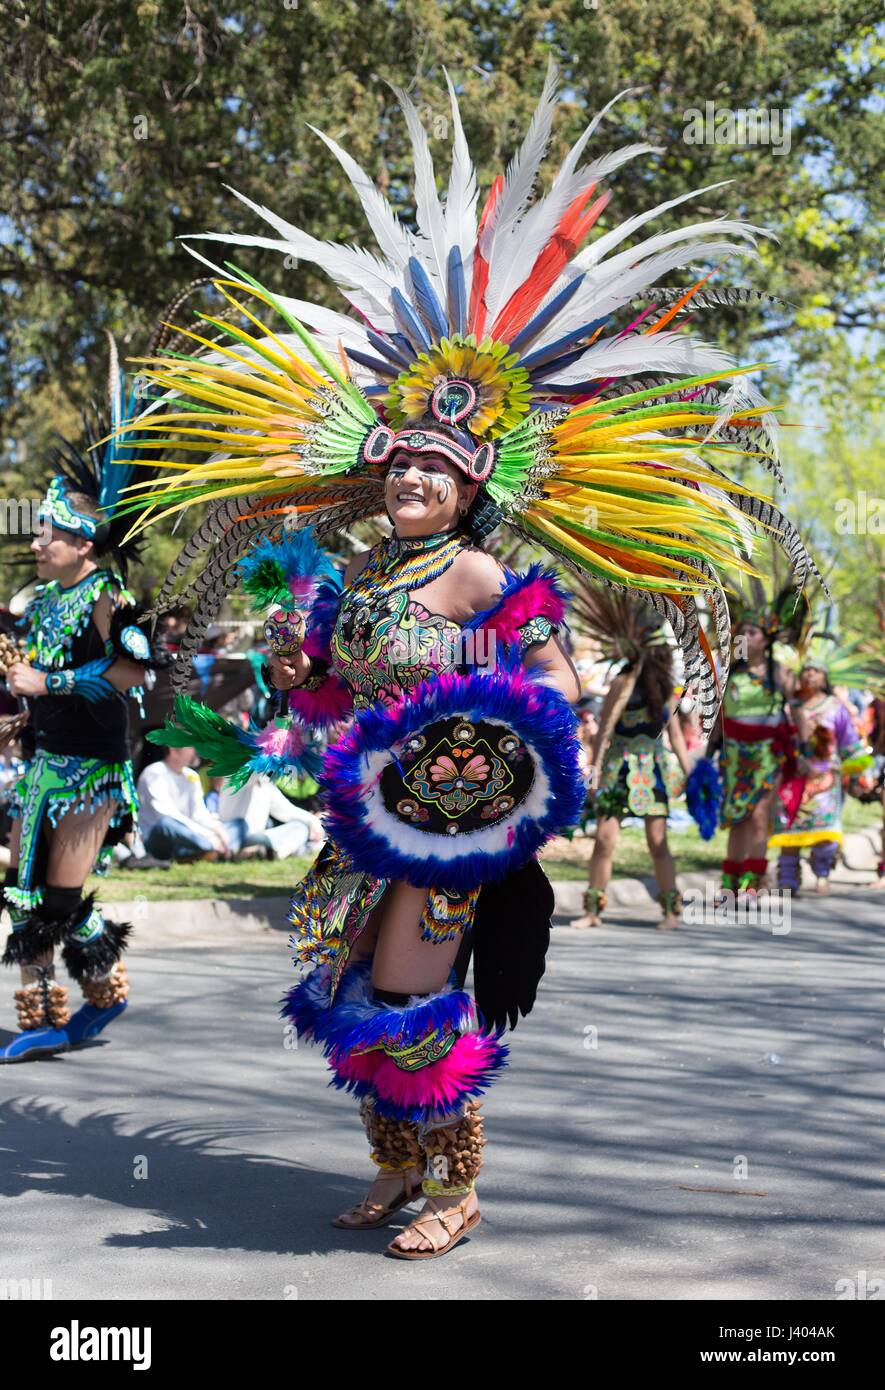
x: 613, y: 705
x: 677, y: 742
x: 125, y: 673
x: 559, y: 667
x: 317, y: 694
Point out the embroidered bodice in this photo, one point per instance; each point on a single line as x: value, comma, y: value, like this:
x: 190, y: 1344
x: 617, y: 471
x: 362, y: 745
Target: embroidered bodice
x: 60, y: 634
x: 751, y: 699
x: 57, y: 621
x: 378, y: 638
x: 385, y: 640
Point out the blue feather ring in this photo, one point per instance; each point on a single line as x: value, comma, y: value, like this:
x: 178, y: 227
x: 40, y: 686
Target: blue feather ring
x: 460, y: 783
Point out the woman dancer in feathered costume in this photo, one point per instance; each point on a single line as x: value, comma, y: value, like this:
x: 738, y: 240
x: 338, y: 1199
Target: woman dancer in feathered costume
x: 758, y: 738
x: 84, y: 653
x: 633, y: 773
x: 808, y: 814
x: 493, y: 373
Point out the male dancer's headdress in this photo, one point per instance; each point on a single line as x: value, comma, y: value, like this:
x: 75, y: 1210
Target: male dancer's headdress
x: 779, y: 610
x: 623, y: 627
x: 596, y: 426
x: 97, y: 468
x: 100, y: 466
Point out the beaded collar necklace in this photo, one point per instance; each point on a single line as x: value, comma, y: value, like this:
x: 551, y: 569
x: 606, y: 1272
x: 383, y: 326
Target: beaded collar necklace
x: 402, y: 547
x: 408, y: 562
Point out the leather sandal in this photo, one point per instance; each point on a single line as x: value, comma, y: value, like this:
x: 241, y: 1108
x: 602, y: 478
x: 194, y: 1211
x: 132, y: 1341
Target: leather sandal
x: 468, y: 1224
x: 372, y: 1214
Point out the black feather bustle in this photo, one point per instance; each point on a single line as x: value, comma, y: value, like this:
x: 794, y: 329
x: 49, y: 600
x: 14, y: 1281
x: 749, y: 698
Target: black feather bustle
x: 41, y: 934
x: 83, y: 962
x: 511, y: 936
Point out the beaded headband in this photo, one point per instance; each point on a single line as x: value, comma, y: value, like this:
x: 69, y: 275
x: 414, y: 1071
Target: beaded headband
x: 453, y: 401
x: 58, y: 509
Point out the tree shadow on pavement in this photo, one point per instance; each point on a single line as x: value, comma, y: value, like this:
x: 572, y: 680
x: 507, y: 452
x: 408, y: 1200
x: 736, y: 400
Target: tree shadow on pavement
x: 210, y: 1197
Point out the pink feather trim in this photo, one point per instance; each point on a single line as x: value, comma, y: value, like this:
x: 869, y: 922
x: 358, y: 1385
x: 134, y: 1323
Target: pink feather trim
x: 443, y: 1085
x: 538, y: 599
x: 356, y: 1068
x: 331, y: 703
x: 328, y: 705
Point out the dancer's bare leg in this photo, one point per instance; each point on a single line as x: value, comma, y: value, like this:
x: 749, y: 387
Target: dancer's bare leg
x: 664, y: 867
x: 607, y: 831
x: 75, y: 842
x: 404, y: 964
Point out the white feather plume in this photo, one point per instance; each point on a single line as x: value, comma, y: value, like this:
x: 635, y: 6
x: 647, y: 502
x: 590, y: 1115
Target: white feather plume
x: 394, y: 240
x: 617, y: 282
x: 529, y: 237
x: 462, y: 194
x: 428, y: 212
x: 678, y: 354
x: 519, y: 182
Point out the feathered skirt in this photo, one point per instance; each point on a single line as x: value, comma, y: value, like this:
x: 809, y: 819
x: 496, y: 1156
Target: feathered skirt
x: 51, y: 785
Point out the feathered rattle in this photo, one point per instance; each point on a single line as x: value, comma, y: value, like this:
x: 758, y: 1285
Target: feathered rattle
x: 284, y: 631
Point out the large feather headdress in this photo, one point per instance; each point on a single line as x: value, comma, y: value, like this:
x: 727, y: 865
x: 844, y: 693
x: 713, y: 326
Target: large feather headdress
x: 599, y: 427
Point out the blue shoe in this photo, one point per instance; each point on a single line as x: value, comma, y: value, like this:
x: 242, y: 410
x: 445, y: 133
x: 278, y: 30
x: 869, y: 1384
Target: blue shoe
x: 35, y: 1042
x: 88, y: 1021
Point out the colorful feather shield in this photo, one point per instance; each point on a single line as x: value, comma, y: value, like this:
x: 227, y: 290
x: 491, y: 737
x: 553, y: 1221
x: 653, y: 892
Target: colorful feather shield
x: 600, y: 427
x: 460, y: 784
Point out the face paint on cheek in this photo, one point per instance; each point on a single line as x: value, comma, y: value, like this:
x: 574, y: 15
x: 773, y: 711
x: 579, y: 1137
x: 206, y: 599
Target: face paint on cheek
x: 443, y: 485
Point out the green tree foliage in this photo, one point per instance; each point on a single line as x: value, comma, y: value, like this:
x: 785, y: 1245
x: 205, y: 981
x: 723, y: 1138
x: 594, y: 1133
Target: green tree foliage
x: 836, y: 490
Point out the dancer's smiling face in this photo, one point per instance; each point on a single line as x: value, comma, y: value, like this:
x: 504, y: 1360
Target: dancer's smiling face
x: 424, y: 493
x: 61, y: 554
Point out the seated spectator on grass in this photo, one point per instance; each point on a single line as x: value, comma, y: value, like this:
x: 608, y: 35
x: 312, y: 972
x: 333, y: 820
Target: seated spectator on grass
x: 273, y: 822
x: 174, y: 820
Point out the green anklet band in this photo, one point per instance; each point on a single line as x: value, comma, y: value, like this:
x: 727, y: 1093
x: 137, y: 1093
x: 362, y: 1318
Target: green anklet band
x: 671, y: 902
x: 595, y: 900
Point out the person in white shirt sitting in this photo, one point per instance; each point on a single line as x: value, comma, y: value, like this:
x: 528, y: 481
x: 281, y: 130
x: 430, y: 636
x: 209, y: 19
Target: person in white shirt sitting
x: 272, y: 820
x: 174, y: 820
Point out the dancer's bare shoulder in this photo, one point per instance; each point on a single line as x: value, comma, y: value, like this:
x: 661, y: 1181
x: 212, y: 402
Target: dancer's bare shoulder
x: 479, y: 576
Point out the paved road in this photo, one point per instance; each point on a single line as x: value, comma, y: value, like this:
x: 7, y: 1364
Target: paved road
x: 696, y: 1115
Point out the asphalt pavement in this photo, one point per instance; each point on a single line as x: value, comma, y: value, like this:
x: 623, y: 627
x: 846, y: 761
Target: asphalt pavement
x: 687, y: 1115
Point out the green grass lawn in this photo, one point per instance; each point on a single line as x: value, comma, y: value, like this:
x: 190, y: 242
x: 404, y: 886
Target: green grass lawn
x: 254, y: 878
x: 260, y: 879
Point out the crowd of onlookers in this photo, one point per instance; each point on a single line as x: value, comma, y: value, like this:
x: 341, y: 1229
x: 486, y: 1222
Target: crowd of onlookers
x: 184, y: 817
